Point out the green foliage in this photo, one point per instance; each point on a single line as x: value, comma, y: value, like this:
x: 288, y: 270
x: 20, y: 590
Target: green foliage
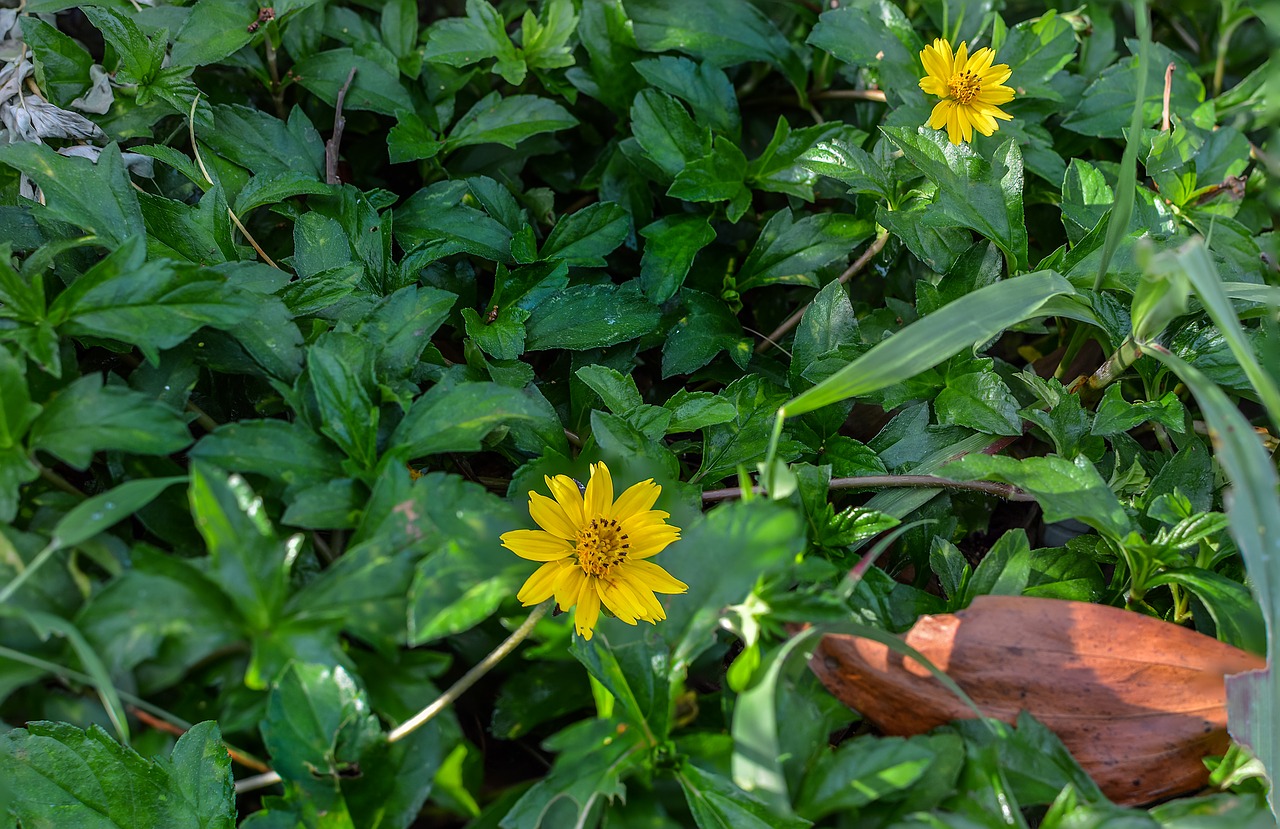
x: 275, y: 380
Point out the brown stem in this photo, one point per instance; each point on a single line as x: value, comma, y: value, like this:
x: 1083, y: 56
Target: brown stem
x: 277, y: 91
x: 850, y: 95
x: 1009, y: 493
x: 794, y: 320
x: 339, y: 124
x: 246, y: 760
x: 1168, y: 90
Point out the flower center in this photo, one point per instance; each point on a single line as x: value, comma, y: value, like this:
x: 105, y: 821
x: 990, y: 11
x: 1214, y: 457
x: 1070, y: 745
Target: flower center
x: 602, y: 545
x: 964, y: 86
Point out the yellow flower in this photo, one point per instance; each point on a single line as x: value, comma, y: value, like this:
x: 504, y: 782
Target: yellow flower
x: 970, y: 88
x: 595, y: 550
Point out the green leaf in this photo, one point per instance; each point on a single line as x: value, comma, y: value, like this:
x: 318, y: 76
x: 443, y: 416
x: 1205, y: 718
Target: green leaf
x: 545, y: 40
x: 1063, y: 489
x: 373, y: 88
x: 879, y: 38
x: 670, y: 245
x: 88, y: 779
x: 507, y: 121
x: 140, y: 57
x: 790, y: 251
x: 691, y: 411
x: 739, y: 544
x: 861, y: 771
x: 848, y: 163
x: 342, y: 380
x: 974, y: 318
x: 440, y: 219
x: 707, y: 328
x: 586, y: 237
x: 633, y: 664
x: 458, y: 418
x: 411, y: 139
x: 103, y: 511
x: 590, y: 316
x: 1005, y: 569
x: 780, y: 169
x: 1236, y: 615
x: 618, y: 391
x: 972, y: 192
x: 703, y: 86
x: 399, y: 28
x: 213, y: 30
x: 1115, y: 415
x: 718, y: 176
x: 153, y: 305
x: 666, y: 133
x: 16, y: 409
x: 280, y: 450
x: 1035, y: 51
x: 62, y: 65
x: 266, y: 145
x: 718, y: 804
x: 828, y: 323
x: 94, y: 197
x: 480, y: 35
x: 979, y: 399
x: 586, y: 775
x: 1104, y: 109
x: 317, y: 725
x: 719, y: 32
x: 88, y: 417
x: 245, y: 557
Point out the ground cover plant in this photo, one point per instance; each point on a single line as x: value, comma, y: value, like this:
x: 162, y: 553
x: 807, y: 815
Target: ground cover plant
x: 475, y: 414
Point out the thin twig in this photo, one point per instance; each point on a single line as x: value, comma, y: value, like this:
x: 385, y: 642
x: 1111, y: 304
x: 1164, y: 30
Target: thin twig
x: 204, y: 171
x: 1005, y: 491
x: 246, y: 760
x: 850, y: 95
x: 60, y: 482
x: 446, y: 699
x: 794, y: 320
x: 1168, y: 90
x: 277, y: 91
x: 339, y: 124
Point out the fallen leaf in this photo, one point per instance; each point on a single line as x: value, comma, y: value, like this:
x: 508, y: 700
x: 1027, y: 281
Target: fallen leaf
x: 1138, y: 701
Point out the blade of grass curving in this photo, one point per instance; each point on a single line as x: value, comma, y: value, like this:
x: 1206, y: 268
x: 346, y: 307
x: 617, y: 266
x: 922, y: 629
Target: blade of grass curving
x: 973, y: 319
x: 1253, y: 699
x: 46, y: 623
x: 1203, y: 274
x: 757, y: 749
x: 1127, y: 181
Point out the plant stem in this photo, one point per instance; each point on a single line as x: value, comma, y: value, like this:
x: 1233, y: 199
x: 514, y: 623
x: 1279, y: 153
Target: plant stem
x: 1009, y: 493
x: 1115, y: 365
x: 446, y: 699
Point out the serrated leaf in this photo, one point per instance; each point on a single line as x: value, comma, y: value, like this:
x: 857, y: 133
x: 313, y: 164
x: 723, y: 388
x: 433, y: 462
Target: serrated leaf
x: 87, y: 417
x: 790, y: 251
x: 507, y: 121
x: 705, y: 329
x: 458, y: 418
x: 586, y: 237
x: 878, y: 37
x: 671, y: 243
x: 88, y: 779
x: 373, y: 88
x: 590, y: 316
x: 94, y: 197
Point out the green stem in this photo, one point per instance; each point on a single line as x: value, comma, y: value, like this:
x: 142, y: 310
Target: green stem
x: 36, y: 563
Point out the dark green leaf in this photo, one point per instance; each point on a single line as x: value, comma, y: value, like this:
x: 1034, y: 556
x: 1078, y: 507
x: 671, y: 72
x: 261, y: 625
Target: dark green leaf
x: 411, y: 139
x: 88, y: 779
x: 105, y: 510
x: 94, y: 197
x: 508, y: 121
x: 980, y: 400
x: 879, y: 38
x: 669, y: 137
x: 1236, y: 615
x: 373, y: 88
x: 590, y: 316
x: 671, y: 243
x: 862, y: 771
x: 458, y: 418
x: 718, y: 804
x: 790, y: 251
x: 88, y: 417
x: 480, y: 35
x: 703, y: 86
x: 707, y: 328
x: 586, y: 237
x: 1105, y: 107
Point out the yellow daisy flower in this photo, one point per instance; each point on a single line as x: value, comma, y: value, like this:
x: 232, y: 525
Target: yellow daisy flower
x: 971, y: 89
x: 595, y: 549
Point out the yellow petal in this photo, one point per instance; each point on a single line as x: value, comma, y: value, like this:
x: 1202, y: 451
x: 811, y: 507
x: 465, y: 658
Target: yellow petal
x: 953, y: 126
x: 565, y: 490
x: 983, y: 122
x: 934, y: 86
x: 943, y: 49
x: 599, y: 500
x: 938, y: 118
x: 638, y: 521
x: 962, y: 57
x: 651, y: 542
x: 994, y: 96
x: 653, y: 577
x: 981, y: 60
x: 536, y: 545
x: 619, y: 602
x: 551, y: 517
x: 643, y: 597
x: 568, y: 585
x: 638, y: 498
x: 935, y: 64
x: 588, y: 612
x: 541, y: 585
x: 995, y: 76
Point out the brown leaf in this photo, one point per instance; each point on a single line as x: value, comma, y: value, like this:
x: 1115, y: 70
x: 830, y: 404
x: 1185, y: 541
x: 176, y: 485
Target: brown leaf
x: 1136, y: 700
